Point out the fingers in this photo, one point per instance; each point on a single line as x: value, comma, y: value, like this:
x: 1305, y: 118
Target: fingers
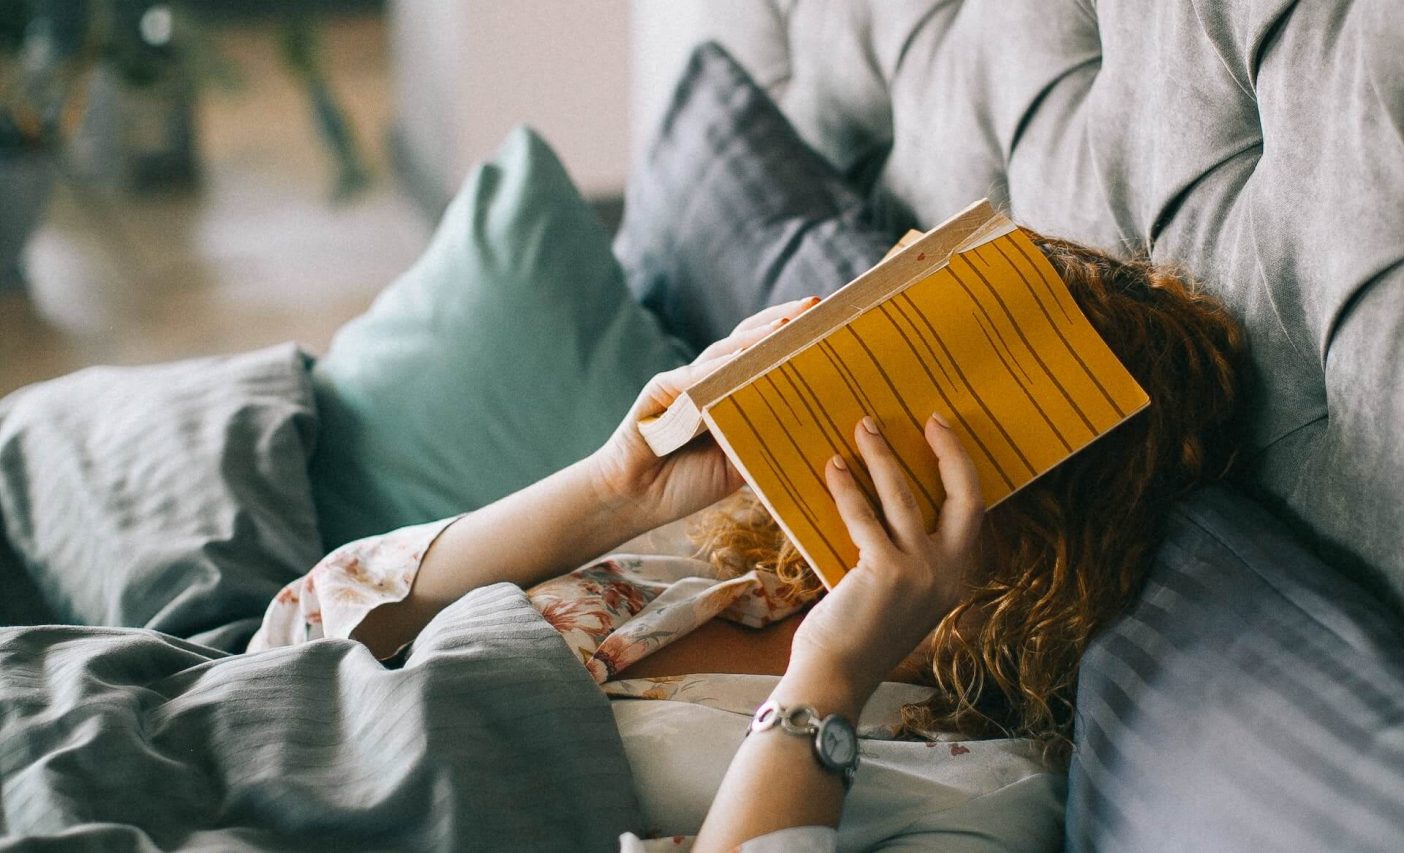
x: 964, y: 508
x: 765, y: 317
x: 752, y: 329
x: 665, y: 387
x: 864, y: 526
x: 739, y: 340
x: 899, y: 503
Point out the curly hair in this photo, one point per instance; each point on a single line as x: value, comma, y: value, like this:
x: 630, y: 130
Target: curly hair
x: 1067, y: 553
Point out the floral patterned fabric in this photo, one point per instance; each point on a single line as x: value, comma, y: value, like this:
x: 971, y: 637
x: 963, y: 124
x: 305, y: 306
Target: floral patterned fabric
x: 743, y: 694
x: 939, y: 793
x: 612, y: 613
x: 615, y: 611
x: 799, y: 839
x: 350, y: 582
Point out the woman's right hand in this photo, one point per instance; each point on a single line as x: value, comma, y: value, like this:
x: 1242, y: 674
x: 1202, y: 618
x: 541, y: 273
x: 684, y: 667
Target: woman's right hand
x: 699, y: 474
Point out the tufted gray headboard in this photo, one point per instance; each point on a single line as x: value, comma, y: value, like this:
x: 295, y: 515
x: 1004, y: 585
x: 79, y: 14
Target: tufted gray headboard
x: 1258, y: 143
x: 1252, y: 697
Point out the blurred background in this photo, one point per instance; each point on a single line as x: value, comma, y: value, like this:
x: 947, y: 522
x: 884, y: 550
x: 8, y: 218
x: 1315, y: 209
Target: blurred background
x: 189, y: 178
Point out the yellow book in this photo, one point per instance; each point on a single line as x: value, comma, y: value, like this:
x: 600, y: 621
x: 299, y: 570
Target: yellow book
x: 968, y: 320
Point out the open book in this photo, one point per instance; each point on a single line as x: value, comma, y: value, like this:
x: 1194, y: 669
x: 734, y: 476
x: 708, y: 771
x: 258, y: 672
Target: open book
x: 968, y: 320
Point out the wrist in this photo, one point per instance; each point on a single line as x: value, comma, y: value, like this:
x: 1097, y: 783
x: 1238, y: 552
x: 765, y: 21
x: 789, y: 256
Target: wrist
x: 827, y: 692
x: 616, y: 497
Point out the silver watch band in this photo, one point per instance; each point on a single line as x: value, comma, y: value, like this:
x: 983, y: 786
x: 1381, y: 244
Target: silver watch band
x: 804, y: 721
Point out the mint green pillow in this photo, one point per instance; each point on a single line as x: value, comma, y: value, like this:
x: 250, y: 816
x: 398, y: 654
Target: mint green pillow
x: 509, y: 350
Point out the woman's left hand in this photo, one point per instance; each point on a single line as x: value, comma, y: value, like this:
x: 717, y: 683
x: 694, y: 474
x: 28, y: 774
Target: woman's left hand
x: 699, y: 474
x: 907, y: 578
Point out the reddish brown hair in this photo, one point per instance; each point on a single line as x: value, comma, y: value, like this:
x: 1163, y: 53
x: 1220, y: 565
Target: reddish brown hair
x: 1067, y: 553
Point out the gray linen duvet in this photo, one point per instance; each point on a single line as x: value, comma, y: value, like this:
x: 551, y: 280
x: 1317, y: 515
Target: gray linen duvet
x: 172, y: 502
x: 491, y: 737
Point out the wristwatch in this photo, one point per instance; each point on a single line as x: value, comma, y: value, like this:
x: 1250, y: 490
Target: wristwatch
x: 834, y: 739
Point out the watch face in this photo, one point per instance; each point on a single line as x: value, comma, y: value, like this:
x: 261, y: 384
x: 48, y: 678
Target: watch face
x: 837, y: 742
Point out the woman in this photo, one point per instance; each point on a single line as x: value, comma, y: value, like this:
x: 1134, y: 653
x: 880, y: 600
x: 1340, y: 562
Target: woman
x: 990, y: 612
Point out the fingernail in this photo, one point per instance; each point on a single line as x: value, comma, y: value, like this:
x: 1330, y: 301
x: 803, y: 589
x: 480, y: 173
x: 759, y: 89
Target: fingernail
x: 775, y: 324
x: 839, y: 463
x: 870, y: 424
x: 811, y: 301
x: 940, y: 420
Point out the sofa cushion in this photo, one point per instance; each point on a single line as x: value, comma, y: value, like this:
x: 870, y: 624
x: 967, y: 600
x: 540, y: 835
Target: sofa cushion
x: 173, y: 497
x: 509, y: 350
x: 1252, y: 699
x: 730, y: 211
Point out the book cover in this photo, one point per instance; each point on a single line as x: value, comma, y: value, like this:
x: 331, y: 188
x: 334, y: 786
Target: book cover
x: 986, y: 334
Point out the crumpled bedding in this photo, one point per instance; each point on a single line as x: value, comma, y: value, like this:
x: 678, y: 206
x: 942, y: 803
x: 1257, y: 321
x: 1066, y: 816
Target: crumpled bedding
x: 490, y: 737
x: 174, y: 500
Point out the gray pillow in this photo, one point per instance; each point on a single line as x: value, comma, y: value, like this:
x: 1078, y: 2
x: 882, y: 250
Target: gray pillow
x: 730, y: 211
x: 173, y: 497
x: 1252, y: 699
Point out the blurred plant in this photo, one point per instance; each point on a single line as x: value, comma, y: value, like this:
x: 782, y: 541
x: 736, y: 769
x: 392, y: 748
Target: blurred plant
x: 302, y: 49
x: 35, y: 75
x: 50, y: 49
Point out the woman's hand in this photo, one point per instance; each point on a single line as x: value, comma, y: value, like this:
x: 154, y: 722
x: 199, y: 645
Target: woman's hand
x: 906, y: 580
x: 694, y: 476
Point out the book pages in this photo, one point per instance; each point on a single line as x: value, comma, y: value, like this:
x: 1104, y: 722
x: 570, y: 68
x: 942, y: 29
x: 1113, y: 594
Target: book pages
x: 992, y: 341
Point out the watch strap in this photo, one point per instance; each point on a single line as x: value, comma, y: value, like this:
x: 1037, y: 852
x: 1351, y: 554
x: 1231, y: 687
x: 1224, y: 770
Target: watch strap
x: 804, y: 721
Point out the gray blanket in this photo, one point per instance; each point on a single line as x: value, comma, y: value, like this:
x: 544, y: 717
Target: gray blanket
x: 173, y: 501
x: 491, y: 737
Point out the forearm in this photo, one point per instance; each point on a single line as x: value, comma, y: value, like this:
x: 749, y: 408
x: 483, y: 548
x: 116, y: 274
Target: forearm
x: 775, y: 781
x: 528, y: 537
x: 618, y: 492
x: 906, y: 579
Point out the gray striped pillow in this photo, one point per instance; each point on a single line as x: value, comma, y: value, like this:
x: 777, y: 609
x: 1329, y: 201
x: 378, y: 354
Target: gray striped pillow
x: 1252, y: 699
x: 730, y: 211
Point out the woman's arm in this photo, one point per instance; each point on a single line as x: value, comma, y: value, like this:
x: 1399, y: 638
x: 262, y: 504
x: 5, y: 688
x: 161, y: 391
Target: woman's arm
x: 905, y: 582
x: 525, y: 538
x: 580, y: 512
x: 775, y: 782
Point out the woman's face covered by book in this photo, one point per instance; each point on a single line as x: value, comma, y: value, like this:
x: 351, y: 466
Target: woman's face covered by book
x: 1063, y: 556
